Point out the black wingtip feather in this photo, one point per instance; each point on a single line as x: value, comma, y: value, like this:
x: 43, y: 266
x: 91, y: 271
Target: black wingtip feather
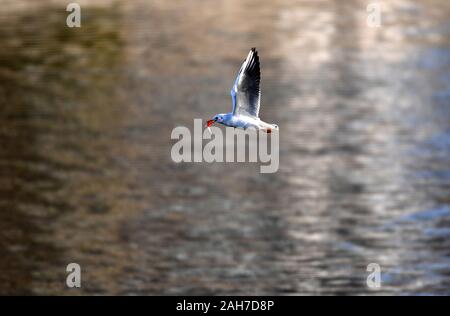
x: 254, y: 58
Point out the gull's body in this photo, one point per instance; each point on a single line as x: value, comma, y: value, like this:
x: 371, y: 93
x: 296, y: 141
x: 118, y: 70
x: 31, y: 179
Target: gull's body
x: 246, y: 95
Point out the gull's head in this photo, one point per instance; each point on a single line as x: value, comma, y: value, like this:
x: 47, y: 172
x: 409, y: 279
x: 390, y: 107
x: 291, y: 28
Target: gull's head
x: 275, y: 126
x: 219, y: 118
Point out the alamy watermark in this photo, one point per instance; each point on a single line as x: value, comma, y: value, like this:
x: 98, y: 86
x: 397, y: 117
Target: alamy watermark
x: 231, y: 147
x: 73, y: 279
x: 373, y: 10
x: 74, y: 18
x: 373, y: 280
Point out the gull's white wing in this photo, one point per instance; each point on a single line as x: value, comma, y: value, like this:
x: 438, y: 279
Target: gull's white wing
x: 246, y: 93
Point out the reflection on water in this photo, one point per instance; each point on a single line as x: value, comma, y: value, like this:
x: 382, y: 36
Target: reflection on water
x: 86, y: 116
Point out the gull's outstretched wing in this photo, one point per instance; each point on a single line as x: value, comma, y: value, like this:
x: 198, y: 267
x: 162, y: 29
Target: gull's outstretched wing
x: 245, y: 92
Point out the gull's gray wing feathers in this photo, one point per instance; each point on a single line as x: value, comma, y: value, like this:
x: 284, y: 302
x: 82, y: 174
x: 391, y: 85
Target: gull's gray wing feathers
x: 246, y: 93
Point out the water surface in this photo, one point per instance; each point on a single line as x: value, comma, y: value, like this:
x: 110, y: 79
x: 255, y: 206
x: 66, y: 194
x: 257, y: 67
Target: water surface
x: 86, y: 175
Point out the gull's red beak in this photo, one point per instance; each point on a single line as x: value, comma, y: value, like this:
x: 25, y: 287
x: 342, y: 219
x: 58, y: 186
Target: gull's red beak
x: 209, y: 123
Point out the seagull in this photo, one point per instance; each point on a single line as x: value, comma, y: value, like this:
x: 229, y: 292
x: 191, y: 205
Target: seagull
x: 246, y: 95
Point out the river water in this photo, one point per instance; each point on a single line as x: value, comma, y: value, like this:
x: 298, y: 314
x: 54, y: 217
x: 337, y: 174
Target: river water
x: 86, y: 175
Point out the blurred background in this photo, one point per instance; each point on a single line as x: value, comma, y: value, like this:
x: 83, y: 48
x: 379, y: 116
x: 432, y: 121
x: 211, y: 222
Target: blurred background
x: 86, y: 175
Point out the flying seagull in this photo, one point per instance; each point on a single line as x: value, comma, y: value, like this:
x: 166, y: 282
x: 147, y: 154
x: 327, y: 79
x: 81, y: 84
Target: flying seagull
x: 246, y: 95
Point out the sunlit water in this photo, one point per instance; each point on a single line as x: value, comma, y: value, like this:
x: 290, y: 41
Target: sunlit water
x: 86, y: 174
